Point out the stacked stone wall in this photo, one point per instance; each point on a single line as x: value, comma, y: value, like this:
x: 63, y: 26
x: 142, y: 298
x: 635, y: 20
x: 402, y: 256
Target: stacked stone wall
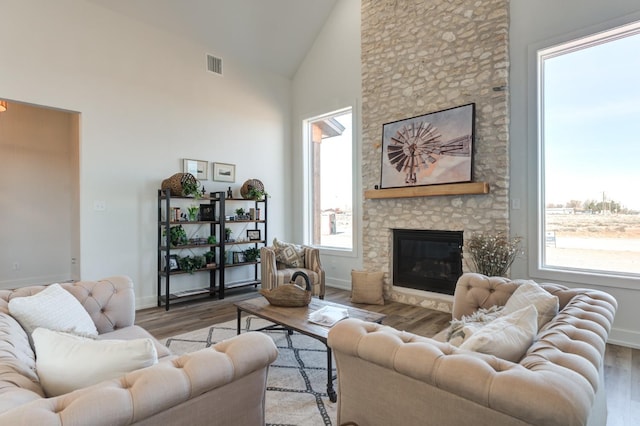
x: 425, y: 56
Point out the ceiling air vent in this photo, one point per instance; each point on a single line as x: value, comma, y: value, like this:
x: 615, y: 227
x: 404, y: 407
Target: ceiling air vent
x: 214, y: 64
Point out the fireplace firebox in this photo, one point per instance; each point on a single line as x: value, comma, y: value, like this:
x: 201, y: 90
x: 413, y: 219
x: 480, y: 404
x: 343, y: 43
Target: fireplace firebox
x: 427, y: 260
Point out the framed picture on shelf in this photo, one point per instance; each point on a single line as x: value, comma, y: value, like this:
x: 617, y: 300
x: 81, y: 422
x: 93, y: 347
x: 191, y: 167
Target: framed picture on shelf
x: 238, y: 257
x: 254, y: 234
x: 207, y: 212
x: 173, y: 263
x: 224, y: 172
x: 198, y: 168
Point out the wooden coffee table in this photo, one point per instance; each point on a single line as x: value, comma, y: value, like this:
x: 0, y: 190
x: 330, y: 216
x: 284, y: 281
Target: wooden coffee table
x: 296, y: 319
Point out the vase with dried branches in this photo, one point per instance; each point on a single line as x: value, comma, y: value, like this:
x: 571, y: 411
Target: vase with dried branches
x: 492, y: 254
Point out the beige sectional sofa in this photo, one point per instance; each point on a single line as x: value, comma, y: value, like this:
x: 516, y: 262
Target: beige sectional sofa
x: 224, y: 384
x: 387, y: 376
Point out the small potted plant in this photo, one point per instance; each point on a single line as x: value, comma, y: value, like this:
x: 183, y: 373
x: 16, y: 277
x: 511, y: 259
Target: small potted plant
x: 211, y: 239
x: 177, y: 236
x: 210, y: 257
x: 227, y: 234
x: 252, y: 254
x: 193, y: 213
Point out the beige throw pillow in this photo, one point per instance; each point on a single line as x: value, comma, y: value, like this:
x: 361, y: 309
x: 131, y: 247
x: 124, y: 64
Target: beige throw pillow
x: 530, y: 293
x: 66, y: 362
x: 291, y: 255
x: 53, y: 308
x: 507, y: 337
x: 367, y: 287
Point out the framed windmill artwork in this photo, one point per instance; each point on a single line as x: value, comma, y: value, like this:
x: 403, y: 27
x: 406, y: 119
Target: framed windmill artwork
x: 429, y: 149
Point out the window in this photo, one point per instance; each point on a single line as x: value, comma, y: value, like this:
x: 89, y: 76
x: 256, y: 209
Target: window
x: 589, y: 146
x: 330, y: 175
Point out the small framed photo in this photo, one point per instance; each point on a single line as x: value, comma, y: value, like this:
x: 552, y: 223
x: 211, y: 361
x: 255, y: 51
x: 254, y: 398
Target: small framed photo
x: 173, y: 263
x: 224, y: 172
x: 198, y: 168
x: 207, y: 212
x: 238, y: 257
x: 253, y: 234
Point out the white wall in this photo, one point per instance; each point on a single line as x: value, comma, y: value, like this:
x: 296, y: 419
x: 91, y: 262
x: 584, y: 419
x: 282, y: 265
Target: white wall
x: 533, y: 25
x: 146, y: 103
x: 329, y: 79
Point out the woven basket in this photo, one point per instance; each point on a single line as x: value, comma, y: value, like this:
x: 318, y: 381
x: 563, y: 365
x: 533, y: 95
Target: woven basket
x: 174, y: 183
x: 250, y: 184
x: 289, y: 295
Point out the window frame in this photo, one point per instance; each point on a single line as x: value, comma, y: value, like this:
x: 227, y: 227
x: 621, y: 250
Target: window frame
x: 537, y: 53
x: 308, y: 182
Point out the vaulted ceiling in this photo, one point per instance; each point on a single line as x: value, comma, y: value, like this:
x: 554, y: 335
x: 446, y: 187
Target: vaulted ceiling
x: 273, y: 35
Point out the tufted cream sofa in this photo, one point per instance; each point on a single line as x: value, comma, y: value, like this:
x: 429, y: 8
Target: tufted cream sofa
x: 386, y: 376
x: 224, y: 384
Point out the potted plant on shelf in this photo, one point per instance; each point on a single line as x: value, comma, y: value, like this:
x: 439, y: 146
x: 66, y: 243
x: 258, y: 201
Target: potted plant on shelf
x: 193, y: 213
x: 191, y: 263
x: 177, y: 236
x: 210, y: 257
x: 227, y: 234
x: 252, y: 254
x: 211, y: 239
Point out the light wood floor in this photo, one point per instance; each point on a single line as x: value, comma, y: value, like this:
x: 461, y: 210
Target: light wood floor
x: 622, y: 365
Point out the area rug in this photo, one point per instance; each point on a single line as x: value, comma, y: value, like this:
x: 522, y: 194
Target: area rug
x: 297, y: 380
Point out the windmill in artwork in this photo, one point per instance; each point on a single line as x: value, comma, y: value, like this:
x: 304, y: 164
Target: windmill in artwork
x: 417, y: 145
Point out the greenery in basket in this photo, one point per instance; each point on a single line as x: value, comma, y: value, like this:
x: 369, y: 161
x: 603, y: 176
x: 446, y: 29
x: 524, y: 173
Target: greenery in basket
x: 492, y: 254
x: 256, y: 193
x: 191, y: 188
x: 191, y: 263
x: 252, y: 254
x: 177, y: 236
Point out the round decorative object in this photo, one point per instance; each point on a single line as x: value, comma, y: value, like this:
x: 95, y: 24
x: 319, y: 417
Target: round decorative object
x: 176, y: 182
x: 249, y: 185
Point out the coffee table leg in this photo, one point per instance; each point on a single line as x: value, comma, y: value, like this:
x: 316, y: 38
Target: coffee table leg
x: 333, y: 397
x: 239, y: 319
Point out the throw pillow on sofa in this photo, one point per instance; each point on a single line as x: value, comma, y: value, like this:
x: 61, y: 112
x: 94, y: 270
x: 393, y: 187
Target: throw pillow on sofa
x: 530, y: 293
x: 53, y: 308
x: 291, y: 255
x: 507, y: 337
x: 367, y: 287
x: 66, y: 362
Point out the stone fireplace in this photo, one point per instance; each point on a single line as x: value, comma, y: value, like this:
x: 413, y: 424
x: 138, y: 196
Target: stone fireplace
x: 427, y: 260
x: 421, y: 57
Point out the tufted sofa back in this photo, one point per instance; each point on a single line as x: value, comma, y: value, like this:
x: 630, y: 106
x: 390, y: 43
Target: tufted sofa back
x: 110, y: 302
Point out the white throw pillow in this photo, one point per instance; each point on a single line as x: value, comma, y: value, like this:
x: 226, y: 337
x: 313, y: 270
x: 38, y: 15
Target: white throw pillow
x: 66, y: 362
x: 530, y: 293
x: 507, y: 337
x: 53, y: 308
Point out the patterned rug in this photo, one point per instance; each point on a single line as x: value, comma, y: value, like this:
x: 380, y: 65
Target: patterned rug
x: 297, y: 380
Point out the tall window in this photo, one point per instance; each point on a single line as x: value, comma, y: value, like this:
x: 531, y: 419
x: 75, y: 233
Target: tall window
x: 589, y: 142
x: 330, y: 157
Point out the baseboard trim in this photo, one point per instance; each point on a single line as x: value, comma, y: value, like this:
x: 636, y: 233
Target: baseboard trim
x: 622, y: 337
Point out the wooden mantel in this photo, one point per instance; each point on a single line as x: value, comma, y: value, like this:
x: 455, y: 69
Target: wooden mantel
x: 469, y: 188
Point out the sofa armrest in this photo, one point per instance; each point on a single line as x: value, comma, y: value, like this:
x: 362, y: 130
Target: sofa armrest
x: 149, y: 392
x: 268, y: 268
x: 312, y: 262
x: 109, y: 301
